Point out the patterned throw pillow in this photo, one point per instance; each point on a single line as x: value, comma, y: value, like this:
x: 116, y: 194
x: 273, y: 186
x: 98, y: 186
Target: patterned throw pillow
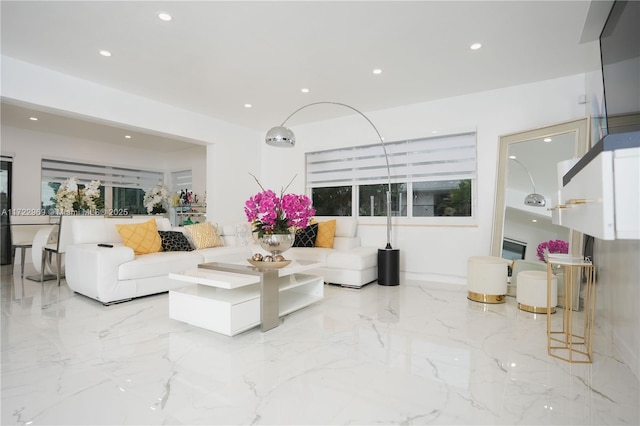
x: 143, y: 237
x: 174, y: 241
x: 204, y: 235
x: 306, y: 237
x: 326, y: 233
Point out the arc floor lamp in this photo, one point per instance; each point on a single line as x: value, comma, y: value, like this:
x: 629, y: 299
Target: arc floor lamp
x: 388, y: 257
x: 534, y: 199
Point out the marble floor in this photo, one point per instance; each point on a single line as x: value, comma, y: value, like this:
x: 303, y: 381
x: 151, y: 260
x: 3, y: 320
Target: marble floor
x: 418, y: 353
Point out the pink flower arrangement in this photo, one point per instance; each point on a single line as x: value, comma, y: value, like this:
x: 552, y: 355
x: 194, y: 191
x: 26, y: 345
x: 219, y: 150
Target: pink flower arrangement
x: 552, y: 246
x: 270, y: 214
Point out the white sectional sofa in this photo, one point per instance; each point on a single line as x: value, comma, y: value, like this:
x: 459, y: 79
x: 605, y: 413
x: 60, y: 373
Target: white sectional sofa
x: 114, y: 274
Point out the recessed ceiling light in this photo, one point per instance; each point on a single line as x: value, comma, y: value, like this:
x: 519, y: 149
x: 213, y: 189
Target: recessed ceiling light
x: 105, y: 53
x: 547, y: 139
x: 534, y: 220
x: 127, y: 136
x: 33, y: 118
x: 304, y: 90
x: 164, y: 16
x: 433, y: 132
x: 475, y: 46
x: 377, y: 71
x: 513, y: 157
x: 248, y: 105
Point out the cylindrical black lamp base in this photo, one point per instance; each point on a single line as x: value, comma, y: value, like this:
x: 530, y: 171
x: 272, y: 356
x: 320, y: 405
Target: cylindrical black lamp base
x: 389, y: 266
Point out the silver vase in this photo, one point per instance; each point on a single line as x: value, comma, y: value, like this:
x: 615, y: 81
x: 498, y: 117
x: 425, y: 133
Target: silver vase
x: 277, y: 243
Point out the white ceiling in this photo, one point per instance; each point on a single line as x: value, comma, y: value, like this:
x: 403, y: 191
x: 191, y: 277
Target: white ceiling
x: 214, y: 56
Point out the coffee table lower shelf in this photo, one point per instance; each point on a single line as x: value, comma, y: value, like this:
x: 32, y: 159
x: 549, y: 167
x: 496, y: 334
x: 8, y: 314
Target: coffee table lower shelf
x: 232, y: 311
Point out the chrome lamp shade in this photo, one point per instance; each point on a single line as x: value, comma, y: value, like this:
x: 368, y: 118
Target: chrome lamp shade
x: 535, y: 200
x: 281, y: 136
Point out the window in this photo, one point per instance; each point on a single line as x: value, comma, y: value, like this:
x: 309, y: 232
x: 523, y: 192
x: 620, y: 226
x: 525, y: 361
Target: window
x: 121, y: 188
x: 181, y: 181
x: 429, y: 177
x: 372, y: 199
x: 332, y: 201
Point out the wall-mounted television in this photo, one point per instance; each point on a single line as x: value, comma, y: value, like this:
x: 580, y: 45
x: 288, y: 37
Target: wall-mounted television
x: 620, y: 57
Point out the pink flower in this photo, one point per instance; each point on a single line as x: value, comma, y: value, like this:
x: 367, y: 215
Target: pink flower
x: 269, y: 213
x: 297, y: 209
x: 552, y: 246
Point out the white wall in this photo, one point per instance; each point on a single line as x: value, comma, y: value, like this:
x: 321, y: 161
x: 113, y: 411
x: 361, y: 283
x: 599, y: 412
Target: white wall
x: 227, y: 158
x: 29, y: 147
x: 618, y: 295
x: 429, y: 251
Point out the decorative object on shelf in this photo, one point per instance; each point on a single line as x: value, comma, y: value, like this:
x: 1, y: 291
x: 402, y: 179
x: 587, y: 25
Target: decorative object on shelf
x: 71, y: 199
x: 534, y: 199
x: 388, y: 257
x: 269, y: 265
x: 551, y: 246
x: 268, y: 261
x: 187, y: 197
x: 275, y: 219
x: 188, y: 207
x: 155, y: 199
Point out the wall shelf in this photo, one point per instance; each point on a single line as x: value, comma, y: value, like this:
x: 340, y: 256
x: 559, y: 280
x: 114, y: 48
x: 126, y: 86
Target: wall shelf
x: 190, y: 213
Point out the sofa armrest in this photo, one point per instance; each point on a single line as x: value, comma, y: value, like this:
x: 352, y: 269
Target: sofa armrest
x: 91, y: 269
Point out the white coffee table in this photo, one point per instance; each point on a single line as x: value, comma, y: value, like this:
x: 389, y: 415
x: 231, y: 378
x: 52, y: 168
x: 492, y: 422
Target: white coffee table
x: 230, y: 298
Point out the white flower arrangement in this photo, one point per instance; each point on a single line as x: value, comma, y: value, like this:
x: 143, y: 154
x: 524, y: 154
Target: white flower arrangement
x: 71, y: 198
x: 155, y: 198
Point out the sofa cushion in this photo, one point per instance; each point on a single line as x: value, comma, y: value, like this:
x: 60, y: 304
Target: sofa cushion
x: 158, y: 264
x: 346, y: 227
x: 306, y: 237
x: 204, y: 235
x: 358, y: 258
x: 143, y: 237
x: 174, y: 241
x: 344, y: 243
x: 326, y: 233
x: 315, y: 254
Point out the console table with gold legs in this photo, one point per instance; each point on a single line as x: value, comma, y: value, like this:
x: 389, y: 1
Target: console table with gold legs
x: 570, y: 335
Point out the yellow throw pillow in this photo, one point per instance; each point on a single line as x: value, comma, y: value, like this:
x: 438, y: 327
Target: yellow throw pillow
x: 204, y: 235
x: 143, y: 237
x: 326, y: 232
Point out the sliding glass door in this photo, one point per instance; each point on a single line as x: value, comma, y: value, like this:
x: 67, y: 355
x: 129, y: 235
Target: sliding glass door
x: 5, y: 208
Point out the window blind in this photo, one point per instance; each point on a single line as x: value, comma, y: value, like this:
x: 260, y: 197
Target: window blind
x: 450, y: 157
x: 181, y: 180
x: 59, y: 171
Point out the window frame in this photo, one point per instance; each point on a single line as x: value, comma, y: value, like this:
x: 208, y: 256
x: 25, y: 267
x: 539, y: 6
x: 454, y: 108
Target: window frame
x: 409, y: 219
x: 107, y: 174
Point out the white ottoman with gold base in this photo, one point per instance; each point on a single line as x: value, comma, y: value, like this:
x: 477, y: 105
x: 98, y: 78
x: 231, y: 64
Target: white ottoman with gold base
x: 532, y: 292
x: 487, y: 279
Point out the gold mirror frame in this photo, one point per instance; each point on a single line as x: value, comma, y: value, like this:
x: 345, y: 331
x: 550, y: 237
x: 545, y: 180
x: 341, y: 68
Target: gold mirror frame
x: 580, y: 127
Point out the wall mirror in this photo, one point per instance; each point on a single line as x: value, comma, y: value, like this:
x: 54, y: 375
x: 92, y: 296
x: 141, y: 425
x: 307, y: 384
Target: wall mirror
x: 527, y: 159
